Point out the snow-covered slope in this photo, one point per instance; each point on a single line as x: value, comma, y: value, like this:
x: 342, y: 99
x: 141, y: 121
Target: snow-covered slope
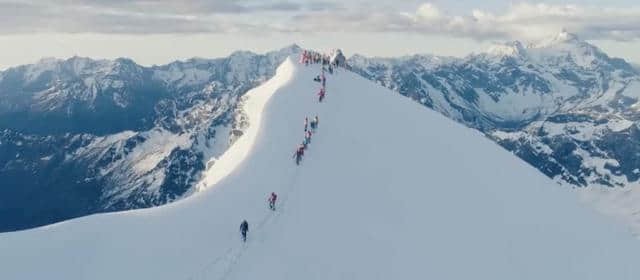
x: 562, y: 104
x: 387, y: 190
x: 82, y: 136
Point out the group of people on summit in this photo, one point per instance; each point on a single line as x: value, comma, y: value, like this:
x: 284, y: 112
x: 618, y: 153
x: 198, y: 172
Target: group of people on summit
x: 332, y: 61
x: 311, y: 57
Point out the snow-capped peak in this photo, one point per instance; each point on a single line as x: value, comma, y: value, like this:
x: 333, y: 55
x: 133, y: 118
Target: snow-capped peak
x: 293, y: 48
x: 337, y: 54
x: 564, y: 37
x: 47, y: 61
x: 566, y: 47
x: 514, y: 48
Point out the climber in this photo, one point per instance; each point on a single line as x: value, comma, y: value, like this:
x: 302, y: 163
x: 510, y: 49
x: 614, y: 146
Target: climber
x: 305, y: 58
x: 307, y: 137
x: 321, y: 95
x: 299, y: 153
x: 306, y: 123
x: 324, y: 80
x: 244, y: 228
x: 314, y: 123
x: 272, y: 201
x: 305, y: 141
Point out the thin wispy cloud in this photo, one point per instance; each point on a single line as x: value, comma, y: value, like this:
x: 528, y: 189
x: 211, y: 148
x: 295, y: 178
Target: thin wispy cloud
x: 521, y: 21
x: 525, y: 20
x: 144, y: 16
x: 532, y: 21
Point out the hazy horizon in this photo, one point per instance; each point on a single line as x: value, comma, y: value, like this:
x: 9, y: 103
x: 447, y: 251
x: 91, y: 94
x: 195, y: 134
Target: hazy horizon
x: 158, y: 32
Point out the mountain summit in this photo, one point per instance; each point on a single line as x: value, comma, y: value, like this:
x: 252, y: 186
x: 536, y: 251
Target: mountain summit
x: 561, y: 50
x: 514, y: 48
x: 561, y: 104
x: 563, y: 37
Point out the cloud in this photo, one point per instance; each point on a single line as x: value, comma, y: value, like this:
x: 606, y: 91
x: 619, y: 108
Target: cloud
x: 137, y: 16
x: 518, y: 21
x: 428, y: 12
x: 525, y: 21
x: 532, y: 21
x: 528, y: 21
x: 191, y: 7
x: 45, y: 18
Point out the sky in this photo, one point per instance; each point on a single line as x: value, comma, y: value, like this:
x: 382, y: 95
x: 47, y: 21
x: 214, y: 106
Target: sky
x: 161, y: 31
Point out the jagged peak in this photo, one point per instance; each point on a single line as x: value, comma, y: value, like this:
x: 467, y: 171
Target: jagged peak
x: 47, y: 60
x: 241, y: 53
x: 293, y: 48
x: 125, y: 60
x: 82, y: 61
x: 514, y: 48
x: 358, y: 56
x: 337, y: 54
x: 564, y: 37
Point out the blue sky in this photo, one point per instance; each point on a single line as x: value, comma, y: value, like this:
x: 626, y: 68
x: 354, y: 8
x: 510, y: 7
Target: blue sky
x: 159, y: 31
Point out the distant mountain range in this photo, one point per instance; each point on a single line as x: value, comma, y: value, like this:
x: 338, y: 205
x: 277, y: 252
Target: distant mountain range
x: 82, y: 136
x: 562, y: 105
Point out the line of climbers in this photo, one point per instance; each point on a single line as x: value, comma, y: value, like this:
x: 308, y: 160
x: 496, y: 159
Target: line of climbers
x: 297, y: 155
x: 310, y: 128
x: 244, y: 226
x: 321, y: 94
x: 322, y: 79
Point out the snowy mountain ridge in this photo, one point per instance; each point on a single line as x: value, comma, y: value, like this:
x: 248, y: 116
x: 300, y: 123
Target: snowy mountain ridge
x: 100, y: 135
x: 514, y: 48
x: 84, y: 136
x: 557, y: 104
x: 361, y: 205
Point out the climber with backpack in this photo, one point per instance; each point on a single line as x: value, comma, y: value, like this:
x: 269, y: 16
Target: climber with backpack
x: 244, y: 228
x: 298, y: 154
x: 314, y: 123
x: 272, y: 201
x: 321, y: 95
x: 306, y: 140
x: 307, y: 137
